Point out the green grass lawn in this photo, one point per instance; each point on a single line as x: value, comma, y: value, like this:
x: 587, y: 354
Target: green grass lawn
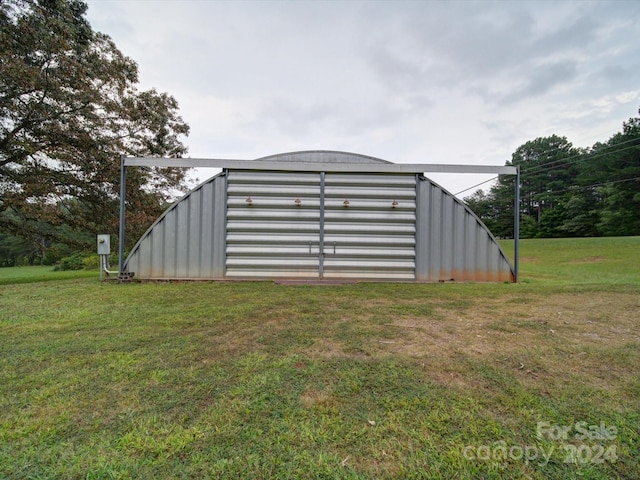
x: 13, y: 275
x: 371, y: 380
x: 612, y: 260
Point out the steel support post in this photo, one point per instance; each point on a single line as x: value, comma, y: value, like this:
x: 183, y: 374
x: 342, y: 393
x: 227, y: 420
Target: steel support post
x: 123, y: 180
x: 516, y: 228
x: 321, y: 227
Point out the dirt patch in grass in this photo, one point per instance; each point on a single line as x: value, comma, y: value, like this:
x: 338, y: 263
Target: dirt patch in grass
x: 326, y: 348
x: 313, y: 398
x: 550, y: 338
x: 589, y: 260
x: 498, y: 325
x: 540, y: 339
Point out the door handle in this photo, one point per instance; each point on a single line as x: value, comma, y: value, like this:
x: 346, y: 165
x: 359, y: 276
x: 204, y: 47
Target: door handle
x: 334, y: 248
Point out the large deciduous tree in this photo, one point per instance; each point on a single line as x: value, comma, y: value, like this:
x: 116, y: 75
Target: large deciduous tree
x: 69, y: 109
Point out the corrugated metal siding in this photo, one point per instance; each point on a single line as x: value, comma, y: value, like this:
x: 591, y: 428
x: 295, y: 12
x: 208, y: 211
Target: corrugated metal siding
x: 271, y: 235
x: 373, y: 235
x: 187, y: 241
x: 452, y: 243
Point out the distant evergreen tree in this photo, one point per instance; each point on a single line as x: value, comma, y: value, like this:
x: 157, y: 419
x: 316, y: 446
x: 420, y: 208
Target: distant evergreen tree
x: 566, y: 191
x: 615, y: 166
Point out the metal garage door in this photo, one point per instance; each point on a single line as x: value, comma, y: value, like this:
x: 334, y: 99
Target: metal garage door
x: 320, y: 225
x: 369, y: 226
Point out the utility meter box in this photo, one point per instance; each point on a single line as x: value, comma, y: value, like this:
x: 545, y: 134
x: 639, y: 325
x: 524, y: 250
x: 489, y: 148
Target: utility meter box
x: 104, y: 244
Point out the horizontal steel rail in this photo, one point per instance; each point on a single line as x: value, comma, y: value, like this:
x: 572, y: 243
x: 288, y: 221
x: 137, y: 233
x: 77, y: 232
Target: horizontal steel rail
x: 316, y: 166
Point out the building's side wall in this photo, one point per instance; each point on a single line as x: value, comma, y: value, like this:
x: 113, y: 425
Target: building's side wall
x: 188, y: 240
x: 452, y: 243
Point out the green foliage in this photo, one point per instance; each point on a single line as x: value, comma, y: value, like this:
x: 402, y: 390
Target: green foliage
x: 69, y: 109
x: 73, y: 262
x: 55, y: 253
x: 14, y: 251
x: 91, y: 262
x: 580, y: 215
x: 528, y: 227
x: 569, y: 192
x: 78, y: 261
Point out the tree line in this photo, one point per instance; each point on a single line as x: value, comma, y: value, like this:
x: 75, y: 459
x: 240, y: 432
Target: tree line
x: 568, y: 191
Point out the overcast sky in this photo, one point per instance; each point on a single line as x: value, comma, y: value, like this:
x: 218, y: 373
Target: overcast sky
x: 409, y: 82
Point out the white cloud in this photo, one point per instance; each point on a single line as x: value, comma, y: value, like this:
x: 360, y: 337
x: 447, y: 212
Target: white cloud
x: 447, y: 82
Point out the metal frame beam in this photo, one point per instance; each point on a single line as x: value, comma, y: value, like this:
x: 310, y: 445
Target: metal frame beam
x: 316, y: 166
x: 123, y: 192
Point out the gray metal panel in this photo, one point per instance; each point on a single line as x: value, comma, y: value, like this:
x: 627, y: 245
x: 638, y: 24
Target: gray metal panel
x: 171, y: 244
x: 194, y: 242
x: 373, y: 235
x: 273, y: 236
x: 273, y: 224
x: 219, y: 226
x: 187, y: 241
x: 207, y: 223
x: 181, y: 240
x: 452, y: 243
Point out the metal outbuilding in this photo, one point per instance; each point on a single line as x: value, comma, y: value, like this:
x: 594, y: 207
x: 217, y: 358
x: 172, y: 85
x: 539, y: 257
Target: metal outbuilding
x: 318, y: 215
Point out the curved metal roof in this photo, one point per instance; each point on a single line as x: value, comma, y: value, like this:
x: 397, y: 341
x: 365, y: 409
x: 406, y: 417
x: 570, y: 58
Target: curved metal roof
x: 322, y: 156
